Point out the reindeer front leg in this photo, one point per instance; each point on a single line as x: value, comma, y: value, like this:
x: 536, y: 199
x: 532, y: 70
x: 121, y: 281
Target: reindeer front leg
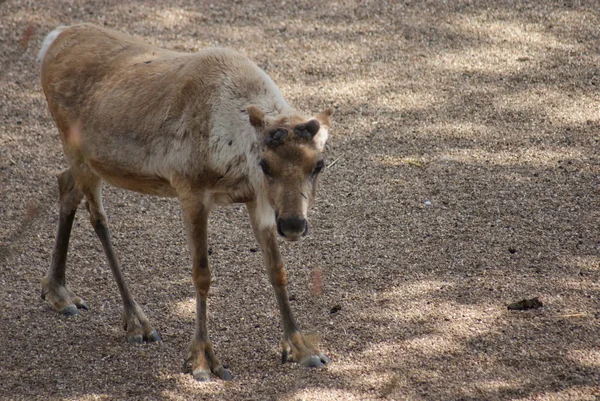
x: 201, y: 360
x: 293, y: 341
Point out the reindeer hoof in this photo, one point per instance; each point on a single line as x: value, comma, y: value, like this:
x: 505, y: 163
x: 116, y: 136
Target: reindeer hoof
x: 187, y: 366
x: 69, y: 310
x: 154, y: 337
x: 284, y: 356
x: 137, y: 339
x: 325, y: 359
x: 72, y: 310
x: 315, y: 361
x: 81, y: 304
x: 202, y: 375
x: 61, y: 298
x: 223, y: 374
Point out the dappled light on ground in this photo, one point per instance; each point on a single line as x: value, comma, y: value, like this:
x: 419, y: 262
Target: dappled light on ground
x: 586, y: 357
x: 463, y: 176
x: 185, y: 309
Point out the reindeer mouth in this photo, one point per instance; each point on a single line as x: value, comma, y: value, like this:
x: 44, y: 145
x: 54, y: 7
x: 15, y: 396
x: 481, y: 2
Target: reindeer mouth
x: 295, y: 238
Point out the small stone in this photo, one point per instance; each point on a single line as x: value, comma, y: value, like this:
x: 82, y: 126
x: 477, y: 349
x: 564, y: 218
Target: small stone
x: 335, y: 309
x: 526, y: 304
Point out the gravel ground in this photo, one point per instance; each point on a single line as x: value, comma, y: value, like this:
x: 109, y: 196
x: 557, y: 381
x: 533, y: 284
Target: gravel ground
x: 466, y: 177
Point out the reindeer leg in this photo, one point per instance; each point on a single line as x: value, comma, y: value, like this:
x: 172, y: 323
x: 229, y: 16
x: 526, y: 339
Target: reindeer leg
x: 135, y: 322
x: 201, y: 360
x: 54, y: 285
x: 302, y: 350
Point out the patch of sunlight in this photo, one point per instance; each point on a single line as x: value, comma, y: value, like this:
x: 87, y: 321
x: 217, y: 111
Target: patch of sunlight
x: 574, y: 17
x: 407, y: 100
x: 504, y: 46
x: 347, y: 367
x: 186, y: 391
x: 378, y: 94
x: 450, y: 319
x: 6, y: 138
x: 185, y: 308
x: 320, y: 393
x: 185, y: 387
x: 553, y: 104
x: 356, y: 89
x: 497, y: 386
x: 577, y: 393
x: 90, y: 397
x: 587, y: 357
x: 202, y: 389
x: 171, y: 17
x: 457, y: 129
x: 578, y: 283
x: 427, y: 321
x: 175, y: 18
x: 531, y: 156
x: 375, y: 355
x: 414, y: 290
x: 433, y: 344
x: 486, y: 60
x: 247, y: 34
x: 427, y: 303
x: 395, y: 161
x: 379, y: 351
x: 513, y: 32
x: 587, y: 262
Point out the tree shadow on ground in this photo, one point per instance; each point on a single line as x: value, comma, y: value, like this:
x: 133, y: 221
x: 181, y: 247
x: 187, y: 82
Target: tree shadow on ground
x: 484, y: 113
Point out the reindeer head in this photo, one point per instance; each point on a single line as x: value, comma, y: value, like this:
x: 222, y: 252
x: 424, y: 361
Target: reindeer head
x: 291, y: 162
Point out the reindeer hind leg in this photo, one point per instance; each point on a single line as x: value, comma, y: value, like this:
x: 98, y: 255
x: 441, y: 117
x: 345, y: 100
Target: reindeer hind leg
x: 135, y: 322
x: 54, y: 285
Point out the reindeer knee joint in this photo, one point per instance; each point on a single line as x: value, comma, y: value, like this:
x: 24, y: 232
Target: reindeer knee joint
x: 97, y: 221
x: 202, y: 276
x: 66, y: 183
x: 69, y: 195
x: 279, y: 276
x: 281, y: 279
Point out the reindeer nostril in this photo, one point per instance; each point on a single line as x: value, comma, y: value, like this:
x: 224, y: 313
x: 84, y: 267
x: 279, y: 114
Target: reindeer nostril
x: 292, y: 226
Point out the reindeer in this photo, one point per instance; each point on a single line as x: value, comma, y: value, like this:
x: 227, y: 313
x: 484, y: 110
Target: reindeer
x: 210, y: 128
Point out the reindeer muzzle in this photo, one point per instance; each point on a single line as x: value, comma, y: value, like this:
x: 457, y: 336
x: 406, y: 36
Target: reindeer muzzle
x: 292, y: 228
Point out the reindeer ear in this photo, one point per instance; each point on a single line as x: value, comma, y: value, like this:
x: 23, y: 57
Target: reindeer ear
x: 323, y: 132
x: 323, y: 116
x: 256, y: 117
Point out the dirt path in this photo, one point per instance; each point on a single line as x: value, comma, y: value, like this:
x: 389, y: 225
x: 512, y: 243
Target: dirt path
x: 467, y: 177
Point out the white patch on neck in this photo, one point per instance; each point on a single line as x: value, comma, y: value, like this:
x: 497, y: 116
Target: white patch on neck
x: 265, y: 214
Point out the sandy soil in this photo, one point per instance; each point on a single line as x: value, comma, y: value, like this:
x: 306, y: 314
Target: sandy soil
x: 466, y: 177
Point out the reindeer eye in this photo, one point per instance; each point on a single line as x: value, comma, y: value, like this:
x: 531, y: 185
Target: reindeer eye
x: 318, y: 168
x: 265, y: 168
